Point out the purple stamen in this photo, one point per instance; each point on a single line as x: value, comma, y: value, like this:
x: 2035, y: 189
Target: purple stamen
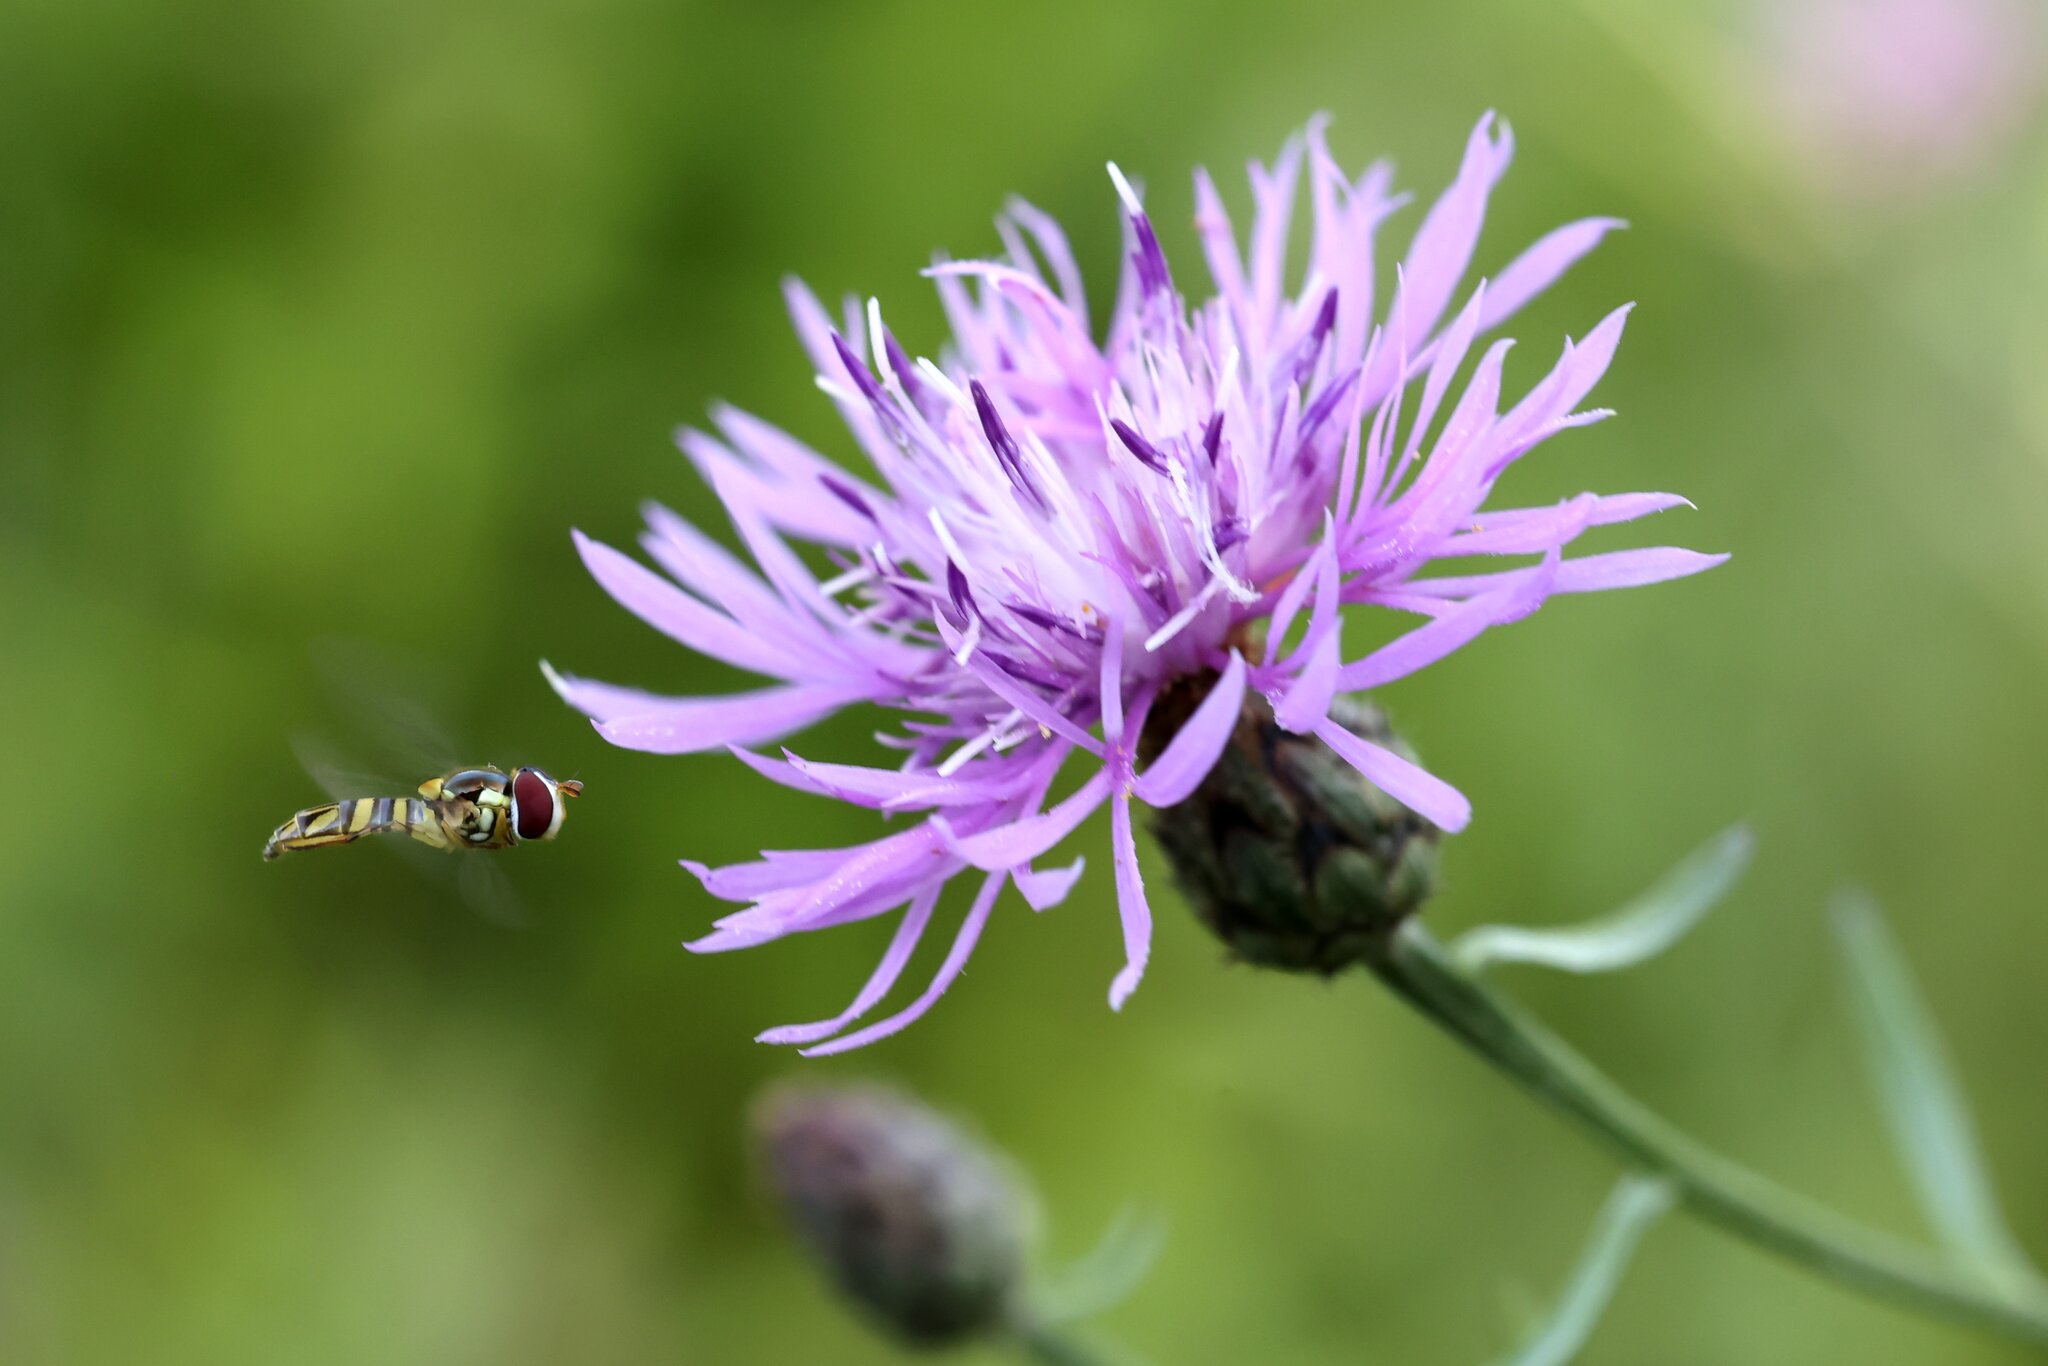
x: 1151, y: 455
x: 960, y: 593
x: 1004, y: 445
x: 857, y: 371
x: 1326, y: 316
x: 1026, y: 672
x: 1153, y: 276
x: 1037, y: 616
x: 1312, y: 345
x: 1326, y: 403
x: 1212, y: 437
x: 906, y: 373
x: 848, y: 495
x: 1046, y: 620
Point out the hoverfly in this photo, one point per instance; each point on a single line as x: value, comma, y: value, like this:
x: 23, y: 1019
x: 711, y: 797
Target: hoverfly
x: 471, y: 808
x: 466, y: 809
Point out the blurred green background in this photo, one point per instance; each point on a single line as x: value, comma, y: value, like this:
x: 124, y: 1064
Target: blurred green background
x: 332, y: 318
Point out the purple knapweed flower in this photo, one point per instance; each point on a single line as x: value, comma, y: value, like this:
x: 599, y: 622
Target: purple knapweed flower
x: 1060, y: 528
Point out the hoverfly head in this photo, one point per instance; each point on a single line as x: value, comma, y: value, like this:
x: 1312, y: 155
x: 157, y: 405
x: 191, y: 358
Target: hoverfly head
x: 537, y: 804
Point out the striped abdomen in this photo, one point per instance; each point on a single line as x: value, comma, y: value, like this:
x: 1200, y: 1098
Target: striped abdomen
x: 343, y: 822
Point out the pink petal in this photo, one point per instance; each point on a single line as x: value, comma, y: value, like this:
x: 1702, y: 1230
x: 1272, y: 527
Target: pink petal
x: 1052, y: 244
x: 1112, y: 684
x: 793, y: 462
x: 1007, y: 846
x: 732, y: 940
x: 771, y: 873
x: 1531, y: 531
x: 1019, y: 695
x: 1450, y: 354
x: 890, y: 789
x: 1130, y: 904
x: 1045, y: 889
x: 707, y: 568
x: 1586, y: 574
x: 1580, y: 368
x: 814, y: 328
x: 1418, y: 648
x: 1415, y: 788
x: 601, y: 701
x: 680, y: 617
x: 1632, y: 568
x: 1273, y: 195
x: 1290, y: 603
x: 948, y: 973
x: 1428, y: 643
x: 1193, y: 751
x: 1341, y: 250
x: 1307, y: 700
x: 1219, y: 245
x: 1442, y: 249
x: 867, y: 880
x: 908, y: 932
x: 752, y: 506
x: 1539, y: 267
x: 1453, y: 481
x: 688, y: 725
x: 784, y: 772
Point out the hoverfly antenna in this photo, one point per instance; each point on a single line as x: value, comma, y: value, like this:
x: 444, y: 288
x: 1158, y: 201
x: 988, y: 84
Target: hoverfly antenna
x: 571, y: 786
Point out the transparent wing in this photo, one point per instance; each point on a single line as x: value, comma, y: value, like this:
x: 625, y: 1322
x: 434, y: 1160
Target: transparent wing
x: 396, y: 742
x: 488, y: 889
x: 406, y: 746
x: 381, y: 698
x: 477, y: 879
x: 325, y: 763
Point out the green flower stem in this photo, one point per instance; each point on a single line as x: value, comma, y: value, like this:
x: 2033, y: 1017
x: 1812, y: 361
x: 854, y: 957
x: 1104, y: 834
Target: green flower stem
x: 1748, y: 1205
x: 1052, y: 1346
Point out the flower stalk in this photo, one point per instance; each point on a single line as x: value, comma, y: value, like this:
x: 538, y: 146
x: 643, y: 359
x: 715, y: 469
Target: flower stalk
x: 1054, y: 1346
x: 1415, y: 966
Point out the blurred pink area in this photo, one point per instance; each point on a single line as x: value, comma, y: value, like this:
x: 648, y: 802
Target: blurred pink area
x: 1891, y: 97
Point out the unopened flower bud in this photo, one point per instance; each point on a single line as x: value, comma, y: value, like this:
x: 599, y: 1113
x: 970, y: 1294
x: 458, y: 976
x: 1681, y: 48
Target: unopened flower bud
x: 1286, y: 853
x: 912, y: 1219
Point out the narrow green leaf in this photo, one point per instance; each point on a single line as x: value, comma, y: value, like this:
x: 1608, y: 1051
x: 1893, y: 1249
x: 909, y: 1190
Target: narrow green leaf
x: 1929, y: 1119
x: 1105, y: 1275
x: 1635, y: 1205
x: 1647, y: 926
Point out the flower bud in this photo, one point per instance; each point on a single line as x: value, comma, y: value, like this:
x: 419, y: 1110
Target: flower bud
x: 913, y: 1220
x: 1290, y: 856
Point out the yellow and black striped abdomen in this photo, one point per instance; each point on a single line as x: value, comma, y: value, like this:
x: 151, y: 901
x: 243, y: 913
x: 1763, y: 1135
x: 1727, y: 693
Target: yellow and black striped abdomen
x: 346, y: 821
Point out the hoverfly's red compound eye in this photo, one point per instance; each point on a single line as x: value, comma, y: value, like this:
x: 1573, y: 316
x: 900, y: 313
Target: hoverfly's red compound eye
x: 534, y: 816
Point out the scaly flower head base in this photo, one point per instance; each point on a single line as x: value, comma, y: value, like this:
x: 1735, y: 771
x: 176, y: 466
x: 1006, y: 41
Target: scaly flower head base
x: 1288, y: 855
x: 1059, y: 530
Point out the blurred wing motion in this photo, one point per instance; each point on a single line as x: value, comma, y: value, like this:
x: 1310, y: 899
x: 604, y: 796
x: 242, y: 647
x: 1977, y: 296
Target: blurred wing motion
x: 389, y: 708
x: 465, y: 809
